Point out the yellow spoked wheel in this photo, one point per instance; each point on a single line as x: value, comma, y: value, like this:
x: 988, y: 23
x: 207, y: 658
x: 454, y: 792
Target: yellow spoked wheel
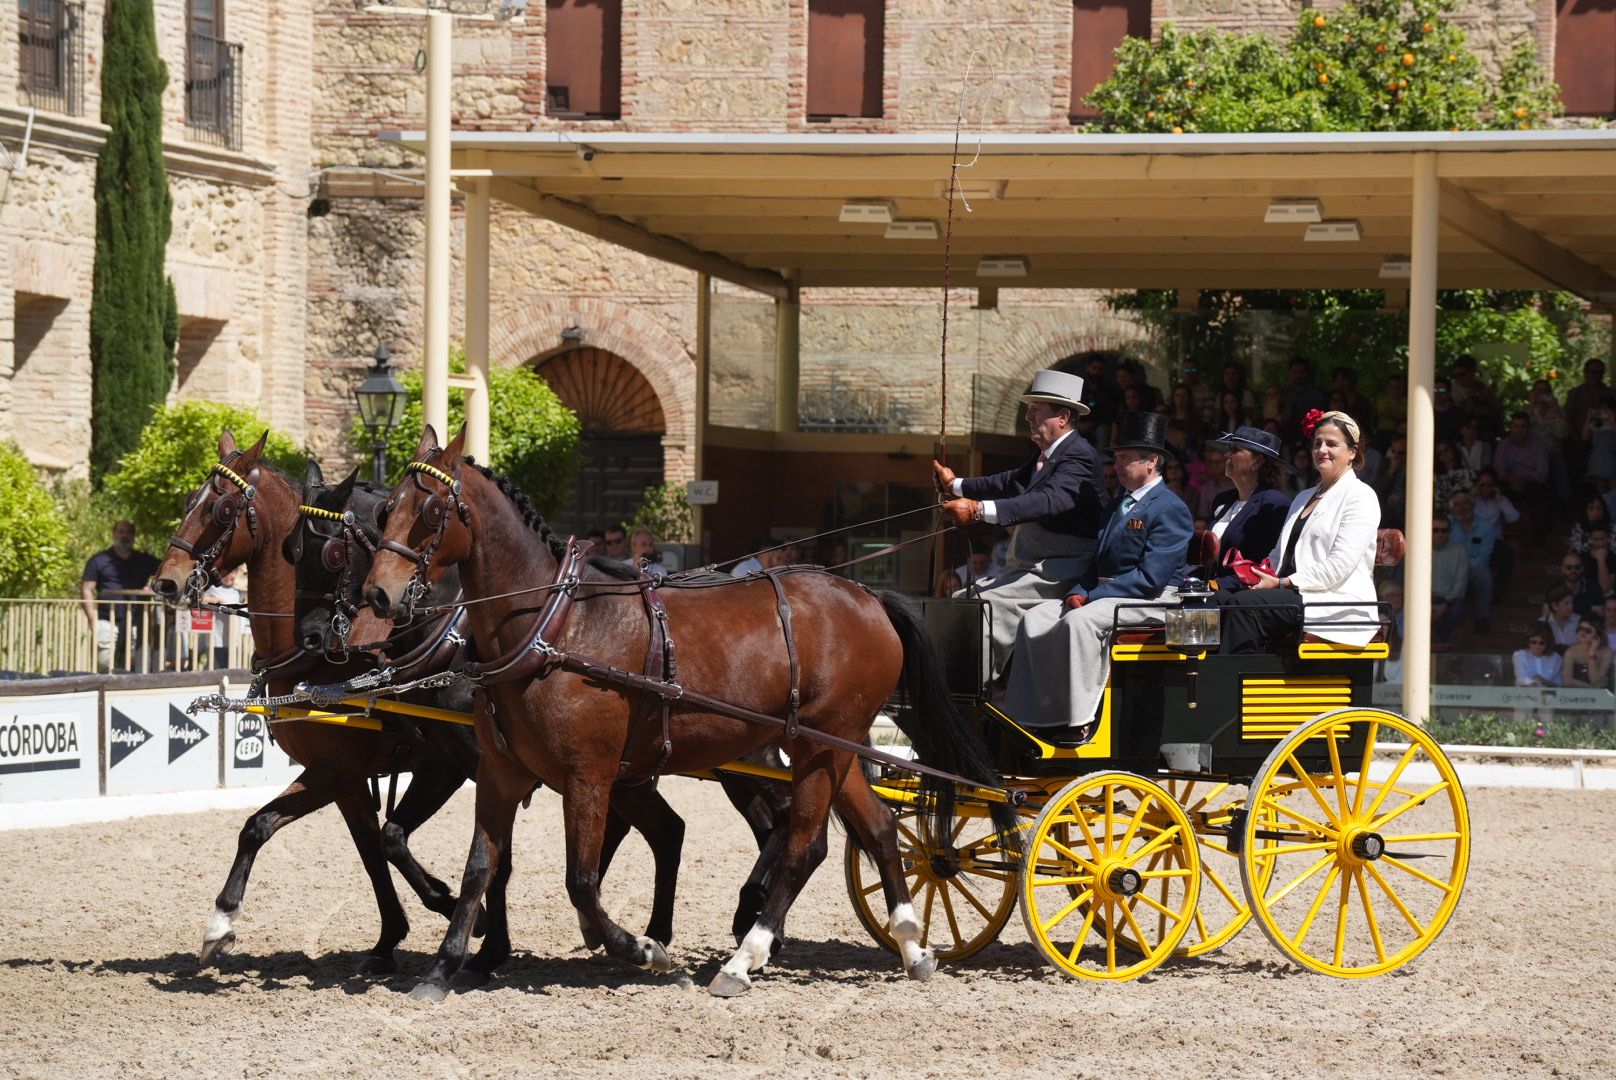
x: 1094, y: 901
x: 1353, y: 862
x: 1221, y: 912
x: 964, y: 890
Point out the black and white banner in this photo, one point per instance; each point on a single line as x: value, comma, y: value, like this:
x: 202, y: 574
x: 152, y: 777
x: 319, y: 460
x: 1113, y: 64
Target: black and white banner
x: 48, y: 747
x: 153, y: 746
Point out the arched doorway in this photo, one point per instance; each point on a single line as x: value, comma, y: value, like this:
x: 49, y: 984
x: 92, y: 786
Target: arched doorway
x: 622, y: 438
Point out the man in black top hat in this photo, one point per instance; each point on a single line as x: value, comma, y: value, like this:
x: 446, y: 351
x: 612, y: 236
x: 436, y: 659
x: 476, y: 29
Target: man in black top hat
x: 1061, y: 650
x: 1053, y: 501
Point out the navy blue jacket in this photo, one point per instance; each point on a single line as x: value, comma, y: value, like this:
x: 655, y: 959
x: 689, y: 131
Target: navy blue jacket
x: 1141, y: 552
x: 1254, y: 531
x: 1064, y: 497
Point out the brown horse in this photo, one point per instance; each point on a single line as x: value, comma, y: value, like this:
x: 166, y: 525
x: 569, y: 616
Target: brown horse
x: 804, y: 644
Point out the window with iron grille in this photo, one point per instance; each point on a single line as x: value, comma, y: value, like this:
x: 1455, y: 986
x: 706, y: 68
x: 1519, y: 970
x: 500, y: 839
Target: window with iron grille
x: 584, y: 66
x: 846, y: 39
x: 212, y: 77
x: 50, y: 55
x: 1585, y: 56
x: 1098, y: 27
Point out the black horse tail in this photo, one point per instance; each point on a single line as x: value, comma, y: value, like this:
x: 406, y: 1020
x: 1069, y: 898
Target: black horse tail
x: 941, y: 735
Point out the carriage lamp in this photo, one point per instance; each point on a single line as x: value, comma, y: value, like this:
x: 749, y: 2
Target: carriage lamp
x: 1193, y: 627
x: 381, y: 399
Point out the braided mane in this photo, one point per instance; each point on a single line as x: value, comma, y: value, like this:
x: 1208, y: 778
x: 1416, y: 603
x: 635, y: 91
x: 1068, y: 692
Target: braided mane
x: 524, y: 506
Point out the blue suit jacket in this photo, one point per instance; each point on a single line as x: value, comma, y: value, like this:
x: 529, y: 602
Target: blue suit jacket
x: 1141, y: 552
x: 1254, y: 531
x: 1063, y: 497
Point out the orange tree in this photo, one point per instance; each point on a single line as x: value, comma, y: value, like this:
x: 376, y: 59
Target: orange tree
x: 1378, y: 65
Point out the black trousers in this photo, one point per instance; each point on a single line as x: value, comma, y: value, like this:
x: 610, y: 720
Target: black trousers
x: 1259, y: 620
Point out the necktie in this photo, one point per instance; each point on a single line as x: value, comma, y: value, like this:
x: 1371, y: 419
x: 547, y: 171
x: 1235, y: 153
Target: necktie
x: 1128, y: 503
x: 1043, y: 459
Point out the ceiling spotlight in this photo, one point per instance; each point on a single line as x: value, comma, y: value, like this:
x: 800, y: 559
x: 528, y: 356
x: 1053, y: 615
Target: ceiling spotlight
x: 1294, y: 212
x: 912, y: 229
x: 1396, y: 266
x: 1337, y: 230
x: 868, y: 212
x: 1002, y: 266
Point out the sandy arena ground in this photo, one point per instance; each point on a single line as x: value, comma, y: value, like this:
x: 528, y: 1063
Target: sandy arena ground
x: 98, y: 975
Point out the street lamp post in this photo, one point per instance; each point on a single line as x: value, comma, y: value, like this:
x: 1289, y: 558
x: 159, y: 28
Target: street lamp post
x: 381, y: 399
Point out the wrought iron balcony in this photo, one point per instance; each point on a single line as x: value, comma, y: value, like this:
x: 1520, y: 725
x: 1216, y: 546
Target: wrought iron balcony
x: 213, y: 91
x: 50, y: 55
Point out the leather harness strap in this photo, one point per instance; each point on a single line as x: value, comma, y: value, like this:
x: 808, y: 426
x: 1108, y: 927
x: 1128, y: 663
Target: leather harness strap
x: 659, y: 664
x: 783, y: 607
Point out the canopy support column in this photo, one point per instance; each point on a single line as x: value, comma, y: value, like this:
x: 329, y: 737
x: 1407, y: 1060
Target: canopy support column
x: 787, y: 363
x: 1420, y: 477
x: 477, y: 319
x: 704, y: 367
x: 435, y: 351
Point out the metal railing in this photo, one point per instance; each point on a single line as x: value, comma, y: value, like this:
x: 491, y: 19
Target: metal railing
x: 50, y: 55
x: 54, y: 637
x: 213, y: 91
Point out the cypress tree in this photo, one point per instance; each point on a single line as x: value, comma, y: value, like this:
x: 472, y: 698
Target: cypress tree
x: 132, y: 313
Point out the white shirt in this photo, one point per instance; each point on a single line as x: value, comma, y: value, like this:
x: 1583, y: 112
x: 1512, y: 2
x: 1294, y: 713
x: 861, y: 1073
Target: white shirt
x: 990, y: 513
x: 1497, y: 512
x: 746, y: 566
x: 1231, y: 512
x: 1139, y: 493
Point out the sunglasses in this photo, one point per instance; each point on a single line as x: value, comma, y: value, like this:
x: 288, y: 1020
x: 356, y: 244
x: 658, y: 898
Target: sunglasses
x: 1536, y: 641
x: 1585, y: 629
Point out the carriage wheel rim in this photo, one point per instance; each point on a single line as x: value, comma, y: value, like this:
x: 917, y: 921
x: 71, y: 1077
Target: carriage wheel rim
x: 1370, y: 854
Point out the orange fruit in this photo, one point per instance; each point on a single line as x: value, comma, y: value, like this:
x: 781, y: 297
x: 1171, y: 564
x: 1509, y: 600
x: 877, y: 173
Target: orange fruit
x: 1408, y: 59
x: 1427, y: 27
x: 1520, y: 112
x: 1392, y: 85
x: 1402, y: 84
x: 1178, y: 131
x: 1151, y: 115
x: 1189, y: 84
x: 1452, y: 57
x: 1323, y: 79
x: 1524, y: 125
x: 1381, y: 47
x: 1318, y: 20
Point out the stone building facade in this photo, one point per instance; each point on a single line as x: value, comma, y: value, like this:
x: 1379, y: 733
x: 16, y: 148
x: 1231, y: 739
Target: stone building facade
x: 238, y: 148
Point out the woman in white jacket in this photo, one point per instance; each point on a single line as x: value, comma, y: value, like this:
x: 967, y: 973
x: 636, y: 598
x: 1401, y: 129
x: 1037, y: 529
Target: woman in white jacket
x: 1325, y: 555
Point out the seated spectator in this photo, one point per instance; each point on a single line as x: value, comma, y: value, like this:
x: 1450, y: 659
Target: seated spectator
x: 1450, y: 580
x: 1391, y: 483
x: 1595, y: 514
x: 1344, y: 381
x: 766, y: 555
x: 1212, y: 481
x: 1452, y: 475
x: 1445, y: 412
x: 1599, y: 436
x: 1538, y: 664
x: 643, y: 554
x: 1587, y: 663
x: 1475, y: 452
x: 1478, y: 540
x: 1176, y: 481
x: 1391, y: 669
x: 1522, y: 465
x: 1474, y: 398
x: 1231, y: 411
x: 1273, y: 406
x: 1492, y: 505
x: 948, y: 583
x: 1560, y: 616
x: 977, y: 566
x: 1391, y: 404
x: 1599, y: 562
x: 1585, y: 595
x: 616, y: 544
x: 1301, y: 475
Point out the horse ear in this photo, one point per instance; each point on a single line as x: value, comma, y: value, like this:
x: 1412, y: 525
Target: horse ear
x: 349, y: 481
x: 428, y: 443
x: 256, y: 450
x: 457, y: 445
x: 227, y: 444
x: 313, y: 476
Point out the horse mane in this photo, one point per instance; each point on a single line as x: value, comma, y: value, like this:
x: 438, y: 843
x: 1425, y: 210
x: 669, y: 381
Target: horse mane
x: 613, y: 568
x: 524, y: 506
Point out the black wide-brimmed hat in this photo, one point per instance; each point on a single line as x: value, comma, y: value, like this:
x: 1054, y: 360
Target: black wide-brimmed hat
x: 1254, y: 439
x: 1141, y: 431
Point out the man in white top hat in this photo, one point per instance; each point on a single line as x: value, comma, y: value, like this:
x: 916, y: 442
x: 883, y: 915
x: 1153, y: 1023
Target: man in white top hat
x: 1054, y: 500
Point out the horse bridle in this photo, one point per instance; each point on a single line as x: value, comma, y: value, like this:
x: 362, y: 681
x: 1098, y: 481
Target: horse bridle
x: 434, y: 514
x: 336, y: 556
x: 228, y: 510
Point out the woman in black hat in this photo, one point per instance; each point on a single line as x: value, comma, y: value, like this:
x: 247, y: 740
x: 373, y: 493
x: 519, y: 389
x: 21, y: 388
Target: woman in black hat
x: 1248, y: 519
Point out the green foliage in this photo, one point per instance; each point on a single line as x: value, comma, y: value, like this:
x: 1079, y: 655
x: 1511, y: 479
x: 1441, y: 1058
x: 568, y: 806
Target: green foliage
x: 173, y: 457
x: 533, y: 438
x: 34, y: 539
x: 1502, y: 729
x: 1378, y: 65
x: 665, y: 511
x: 133, y: 319
x: 89, y: 515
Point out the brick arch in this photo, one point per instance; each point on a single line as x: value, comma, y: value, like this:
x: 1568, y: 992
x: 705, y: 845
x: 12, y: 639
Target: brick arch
x: 533, y: 332
x: 1031, y: 347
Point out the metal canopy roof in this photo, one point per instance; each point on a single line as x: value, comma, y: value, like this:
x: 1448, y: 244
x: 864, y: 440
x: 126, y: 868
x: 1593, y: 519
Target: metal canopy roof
x: 1530, y: 209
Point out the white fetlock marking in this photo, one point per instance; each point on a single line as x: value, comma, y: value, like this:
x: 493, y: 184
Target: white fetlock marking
x: 905, y: 930
x: 753, y: 954
x: 219, y: 924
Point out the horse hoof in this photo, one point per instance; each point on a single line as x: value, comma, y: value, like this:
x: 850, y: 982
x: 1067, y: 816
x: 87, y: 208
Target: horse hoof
x: 725, y: 985
x: 220, y: 946
x: 654, y: 957
x: 373, y: 966
x: 432, y: 993
x: 924, y: 968
x: 469, y: 978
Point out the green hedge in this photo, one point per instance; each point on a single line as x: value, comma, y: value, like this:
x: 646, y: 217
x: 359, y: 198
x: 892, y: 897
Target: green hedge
x: 36, y: 557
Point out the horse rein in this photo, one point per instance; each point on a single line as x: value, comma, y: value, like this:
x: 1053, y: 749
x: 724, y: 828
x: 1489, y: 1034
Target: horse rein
x: 227, y: 512
x: 434, y: 513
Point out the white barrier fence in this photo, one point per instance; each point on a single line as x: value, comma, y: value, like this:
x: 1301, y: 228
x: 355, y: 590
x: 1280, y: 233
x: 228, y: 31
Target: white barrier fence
x: 43, y: 637
x: 127, y: 735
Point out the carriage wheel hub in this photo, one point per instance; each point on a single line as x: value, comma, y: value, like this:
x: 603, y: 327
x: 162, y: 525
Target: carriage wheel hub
x: 1124, y: 881
x: 944, y: 866
x: 1368, y: 846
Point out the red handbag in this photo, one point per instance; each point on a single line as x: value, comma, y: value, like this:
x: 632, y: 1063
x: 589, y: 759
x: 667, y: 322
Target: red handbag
x: 1245, y: 569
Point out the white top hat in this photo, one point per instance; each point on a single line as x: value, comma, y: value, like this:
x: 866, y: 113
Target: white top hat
x: 1058, y: 388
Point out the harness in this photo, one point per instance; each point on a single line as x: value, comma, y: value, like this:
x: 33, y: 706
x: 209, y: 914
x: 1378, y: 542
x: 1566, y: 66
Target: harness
x: 336, y: 556
x: 434, y: 513
x: 228, y: 510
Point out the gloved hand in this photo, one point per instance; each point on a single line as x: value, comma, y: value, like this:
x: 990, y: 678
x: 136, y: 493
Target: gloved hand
x: 944, y: 477
x: 1075, y: 601
x: 962, y: 512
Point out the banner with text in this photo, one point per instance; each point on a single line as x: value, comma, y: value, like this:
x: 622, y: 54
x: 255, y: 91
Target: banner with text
x: 154, y: 746
x: 49, y: 747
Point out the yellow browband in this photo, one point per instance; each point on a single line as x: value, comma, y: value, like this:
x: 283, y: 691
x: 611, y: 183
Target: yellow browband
x: 317, y: 512
x: 436, y: 474
x: 232, y: 477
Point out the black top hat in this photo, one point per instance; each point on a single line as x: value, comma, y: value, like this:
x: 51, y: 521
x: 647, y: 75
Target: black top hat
x: 1254, y: 439
x: 1141, y: 431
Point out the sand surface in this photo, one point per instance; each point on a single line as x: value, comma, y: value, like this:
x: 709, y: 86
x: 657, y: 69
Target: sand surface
x: 98, y: 975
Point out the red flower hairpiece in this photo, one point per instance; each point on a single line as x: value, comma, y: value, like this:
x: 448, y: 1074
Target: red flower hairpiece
x: 1311, y: 421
